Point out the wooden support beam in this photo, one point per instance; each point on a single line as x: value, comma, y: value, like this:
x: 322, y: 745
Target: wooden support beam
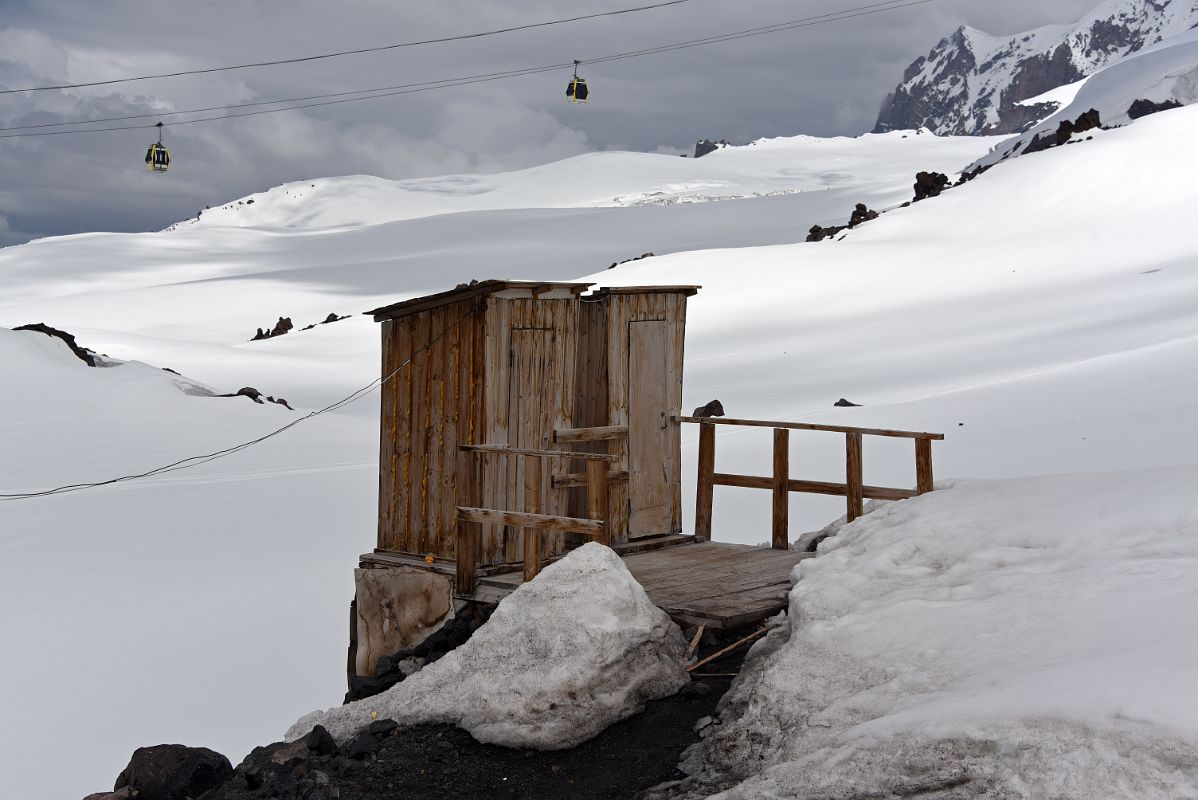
x: 532, y: 505
x: 804, y: 426
x: 503, y: 449
x: 598, y: 434
x: 467, y: 556
x: 705, y: 484
x: 780, y: 538
x: 812, y: 487
x: 596, y: 473
x: 923, y: 466
x: 853, y: 476
x: 576, y: 480
x: 519, y: 519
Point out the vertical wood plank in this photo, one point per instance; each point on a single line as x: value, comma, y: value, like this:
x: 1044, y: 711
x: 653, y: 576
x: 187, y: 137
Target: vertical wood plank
x: 596, y: 472
x: 387, y: 447
x: 467, y: 556
x: 532, y: 505
x: 923, y: 465
x: 780, y: 537
x: 421, y: 431
x: 705, y: 485
x: 853, y: 476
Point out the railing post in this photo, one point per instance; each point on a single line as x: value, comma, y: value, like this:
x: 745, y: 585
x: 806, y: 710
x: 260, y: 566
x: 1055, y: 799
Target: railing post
x: 467, y: 556
x: 923, y: 466
x: 705, y: 485
x: 532, y: 505
x: 853, y: 476
x: 781, y: 516
x: 596, y: 472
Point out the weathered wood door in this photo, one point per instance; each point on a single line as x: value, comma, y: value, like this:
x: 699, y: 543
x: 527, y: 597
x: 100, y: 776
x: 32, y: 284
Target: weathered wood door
x: 532, y: 387
x: 650, y: 434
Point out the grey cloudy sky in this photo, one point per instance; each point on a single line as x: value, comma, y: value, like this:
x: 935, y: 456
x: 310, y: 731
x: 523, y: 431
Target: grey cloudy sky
x: 825, y: 80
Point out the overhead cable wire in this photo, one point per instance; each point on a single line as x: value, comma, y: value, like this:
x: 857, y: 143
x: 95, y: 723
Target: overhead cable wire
x: 413, y: 88
x: 359, y: 51
x: 195, y: 461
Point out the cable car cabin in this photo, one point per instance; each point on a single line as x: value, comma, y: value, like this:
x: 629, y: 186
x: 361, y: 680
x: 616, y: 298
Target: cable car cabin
x: 158, y: 158
x: 576, y: 90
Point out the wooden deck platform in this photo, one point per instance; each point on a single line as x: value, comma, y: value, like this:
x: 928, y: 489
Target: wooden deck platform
x: 723, y: 586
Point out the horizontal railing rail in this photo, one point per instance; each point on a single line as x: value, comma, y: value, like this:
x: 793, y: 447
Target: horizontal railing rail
x: 782, y: 485
x: 530, y: 520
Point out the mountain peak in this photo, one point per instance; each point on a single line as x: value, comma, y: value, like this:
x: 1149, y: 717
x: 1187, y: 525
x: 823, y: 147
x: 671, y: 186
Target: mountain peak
x: 973, y: 82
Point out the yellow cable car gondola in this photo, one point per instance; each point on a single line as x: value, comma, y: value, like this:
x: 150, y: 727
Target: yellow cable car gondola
x: 158, y: 158
x: 577, y: 90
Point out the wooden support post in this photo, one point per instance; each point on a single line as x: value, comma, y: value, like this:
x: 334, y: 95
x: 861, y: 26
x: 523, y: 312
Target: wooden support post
x: 596, y: 477
x: 923, y: 466
x: 532, y: 505
x: 467, y: 556
x: 706, y: 482
x: 853, y: 476
x: 781, y: 516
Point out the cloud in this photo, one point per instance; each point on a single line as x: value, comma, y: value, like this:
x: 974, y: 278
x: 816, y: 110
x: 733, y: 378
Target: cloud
x: 825, y: 81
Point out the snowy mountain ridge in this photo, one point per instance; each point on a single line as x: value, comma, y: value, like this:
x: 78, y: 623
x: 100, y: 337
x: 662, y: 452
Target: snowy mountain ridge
x: 975, y: 83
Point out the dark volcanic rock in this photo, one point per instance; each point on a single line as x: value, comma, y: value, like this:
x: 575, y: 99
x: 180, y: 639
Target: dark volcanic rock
x: 84, y: 355
x: 929, y: 184
x: 713, y: 409
x: 360, y: 746
x: 842, y: 403
x: 705, y: 146
x: 173, y: 772
x: 861, y: 214
x: 1142, y: 108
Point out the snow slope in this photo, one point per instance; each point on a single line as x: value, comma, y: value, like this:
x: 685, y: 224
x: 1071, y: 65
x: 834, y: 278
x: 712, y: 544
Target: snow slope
x: 1022, y: 638
x: 210, y: 604
x: 1040, y: 315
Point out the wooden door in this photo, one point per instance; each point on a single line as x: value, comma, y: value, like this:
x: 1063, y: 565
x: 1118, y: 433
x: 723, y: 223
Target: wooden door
x: 532, y: 387
x: 650, y: 439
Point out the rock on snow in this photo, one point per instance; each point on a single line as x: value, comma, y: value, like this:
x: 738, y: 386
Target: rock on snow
x: 1021, y: 638
x: 562, y: 658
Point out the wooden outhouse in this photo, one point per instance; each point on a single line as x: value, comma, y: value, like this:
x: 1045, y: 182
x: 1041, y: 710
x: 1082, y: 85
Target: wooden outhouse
x: 524, y: 365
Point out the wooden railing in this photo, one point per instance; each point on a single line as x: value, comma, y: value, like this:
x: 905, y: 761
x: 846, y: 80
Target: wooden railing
x: 594, y: 478
x: 781, y: 484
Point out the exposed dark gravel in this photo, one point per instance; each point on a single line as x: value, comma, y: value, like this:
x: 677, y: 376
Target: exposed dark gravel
x: 441, y: 761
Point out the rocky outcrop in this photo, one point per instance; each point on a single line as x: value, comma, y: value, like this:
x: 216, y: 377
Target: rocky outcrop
x: 975, y: 83
x: 1065, y: 131
x: 929, y: 184
x: 257, y: 397
x: 83, y: 354
x: 171, y: 772
x: 1142, y: 108
x: 705, y: 146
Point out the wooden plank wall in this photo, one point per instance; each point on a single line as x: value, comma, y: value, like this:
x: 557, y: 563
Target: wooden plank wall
x: 622, y: 310
x: 502, y: 488
x: 428, y: 407
x: 590, y: 390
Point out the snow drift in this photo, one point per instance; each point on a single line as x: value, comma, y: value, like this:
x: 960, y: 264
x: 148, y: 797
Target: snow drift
x: 1022, y: 638
x: 562, y: 658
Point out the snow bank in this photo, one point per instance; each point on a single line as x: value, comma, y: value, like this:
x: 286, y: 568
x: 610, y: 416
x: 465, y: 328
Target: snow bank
x: 561, y: 659
x: 1022, y: 638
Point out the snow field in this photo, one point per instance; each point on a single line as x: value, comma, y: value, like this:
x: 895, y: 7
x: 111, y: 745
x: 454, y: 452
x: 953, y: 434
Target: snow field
x: 1020, y: 638
x: 1041, y: 316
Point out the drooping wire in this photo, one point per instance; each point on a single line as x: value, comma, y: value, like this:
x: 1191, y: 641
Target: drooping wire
x: 359, y: 51
x: 374, y: 94
x: 195, y: 461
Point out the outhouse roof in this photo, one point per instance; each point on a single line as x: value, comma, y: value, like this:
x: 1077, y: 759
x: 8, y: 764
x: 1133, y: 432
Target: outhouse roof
x: 477, y: 289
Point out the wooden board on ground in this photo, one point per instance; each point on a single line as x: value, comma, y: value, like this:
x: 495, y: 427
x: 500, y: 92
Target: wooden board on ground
x: 724, y: 586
